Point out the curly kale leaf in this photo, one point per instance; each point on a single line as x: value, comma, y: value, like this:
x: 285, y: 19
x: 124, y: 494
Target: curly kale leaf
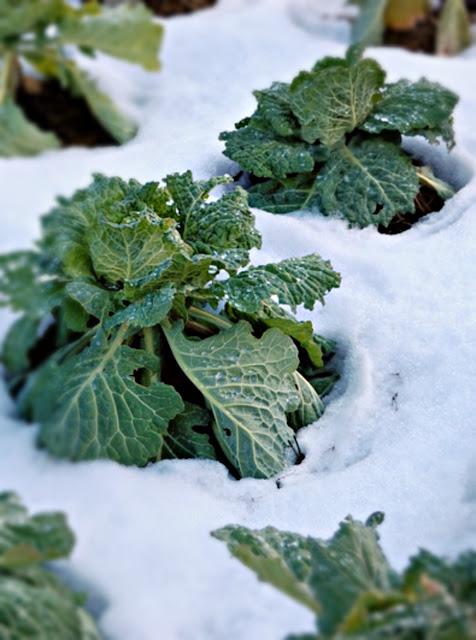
x: 331, y: 141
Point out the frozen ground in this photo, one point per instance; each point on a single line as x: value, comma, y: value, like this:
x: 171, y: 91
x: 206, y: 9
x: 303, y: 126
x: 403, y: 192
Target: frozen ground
x: 398, y: 433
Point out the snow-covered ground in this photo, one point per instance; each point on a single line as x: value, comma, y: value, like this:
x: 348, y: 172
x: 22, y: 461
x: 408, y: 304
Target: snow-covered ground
x: 398, y: 433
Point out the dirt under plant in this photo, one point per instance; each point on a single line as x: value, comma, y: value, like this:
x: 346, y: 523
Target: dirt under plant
x: 55, y: 109
x: 426, y: 202
x: 172, y: 7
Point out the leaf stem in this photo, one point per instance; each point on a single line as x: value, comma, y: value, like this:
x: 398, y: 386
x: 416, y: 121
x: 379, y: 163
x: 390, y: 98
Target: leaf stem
x: 8, y: 76
x: 209, y: 318
x: 149, y: 345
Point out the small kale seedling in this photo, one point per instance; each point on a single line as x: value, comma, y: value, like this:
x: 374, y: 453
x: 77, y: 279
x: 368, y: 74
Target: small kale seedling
x: 143, y: 337
x: 38, y: 34
x: 33, y: 602
x: 347, y: 582
x: 332, y: 139
x: 452, y: 27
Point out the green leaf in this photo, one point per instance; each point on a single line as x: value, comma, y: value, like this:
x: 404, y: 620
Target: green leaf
x: 127, y: 32
x: 146, y: 311
x: 326, y: 576
x: 187, y: 437
x: 369, y: 27
x: 367, y: 182
x: 248, y: 386
x: 134, y: 248
x: 109, y: 115
x: 224, y: 229
x: 28, y: 539
x: 285, y: 196
x: 270, y: 314
x: 335, y: 99
x: 17, y: 18
x: 278, y: 557
x: 20, y: 338
x: 44, y: 610
x: 99, y: 411
x: 19, y: 136
x: 413, y: 107
x: 454, y: 28
x: 264, y: 154
x: 25, y: 285
x: 310, y: 406
x: 94, y: 300
x: 294, y: 281
x: 274, y: 107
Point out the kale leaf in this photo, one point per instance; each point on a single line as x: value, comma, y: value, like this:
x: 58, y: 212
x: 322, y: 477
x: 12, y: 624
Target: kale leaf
x: 331, y: 140
x: 143, y: 335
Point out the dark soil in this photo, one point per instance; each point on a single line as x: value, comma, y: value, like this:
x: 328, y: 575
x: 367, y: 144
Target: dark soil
x: 53, y: 108
x: 421, y: 38
x: 427, y: 201
x: 172, y: 7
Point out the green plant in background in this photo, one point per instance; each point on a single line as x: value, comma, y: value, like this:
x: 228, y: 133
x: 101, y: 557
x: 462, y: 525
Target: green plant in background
x: 453, y: 30
x: 38, y: 34
x: 33, y: 602
x: 348, y: 583
x: 143, y: 337
x: 332, y: 139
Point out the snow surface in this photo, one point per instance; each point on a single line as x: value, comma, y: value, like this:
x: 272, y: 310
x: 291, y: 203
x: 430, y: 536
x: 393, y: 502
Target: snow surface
x: 398, y: 433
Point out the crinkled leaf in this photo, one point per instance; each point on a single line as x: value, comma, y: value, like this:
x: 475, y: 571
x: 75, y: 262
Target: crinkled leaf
x: 127, y: 32
x: 103, y: 107
x: 274, y: 106
x: 310, y: 406
x: 335, y: 100
x: 412, y: 107
x: 285, y: 196
x: 19, y: 340
x: 265, y: 154
x: 247, y: 384
x: 99, y: 411
x: 66, y: 226
x: 369, y: 27
x: 26, y: 539
x: 367, y: 182
x: 146, y: 311
x: 454, y: 28
x: 294, y: 281
x: 19, y: 136
x: 224, y: 229
x: 133, y: 249
x: 187, y: 437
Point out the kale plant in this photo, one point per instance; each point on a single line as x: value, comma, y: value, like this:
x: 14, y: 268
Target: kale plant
x: 347, y: 582
x: 332, y: 139
x: 38, y: 34
x: 33, y: 602
x: 452, y: 29
x: 143, y: 337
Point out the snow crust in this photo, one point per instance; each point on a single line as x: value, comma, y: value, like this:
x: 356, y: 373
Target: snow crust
x: 398, y: 432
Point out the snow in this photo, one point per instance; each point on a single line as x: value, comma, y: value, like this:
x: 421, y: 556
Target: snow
x: 398, y: 432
